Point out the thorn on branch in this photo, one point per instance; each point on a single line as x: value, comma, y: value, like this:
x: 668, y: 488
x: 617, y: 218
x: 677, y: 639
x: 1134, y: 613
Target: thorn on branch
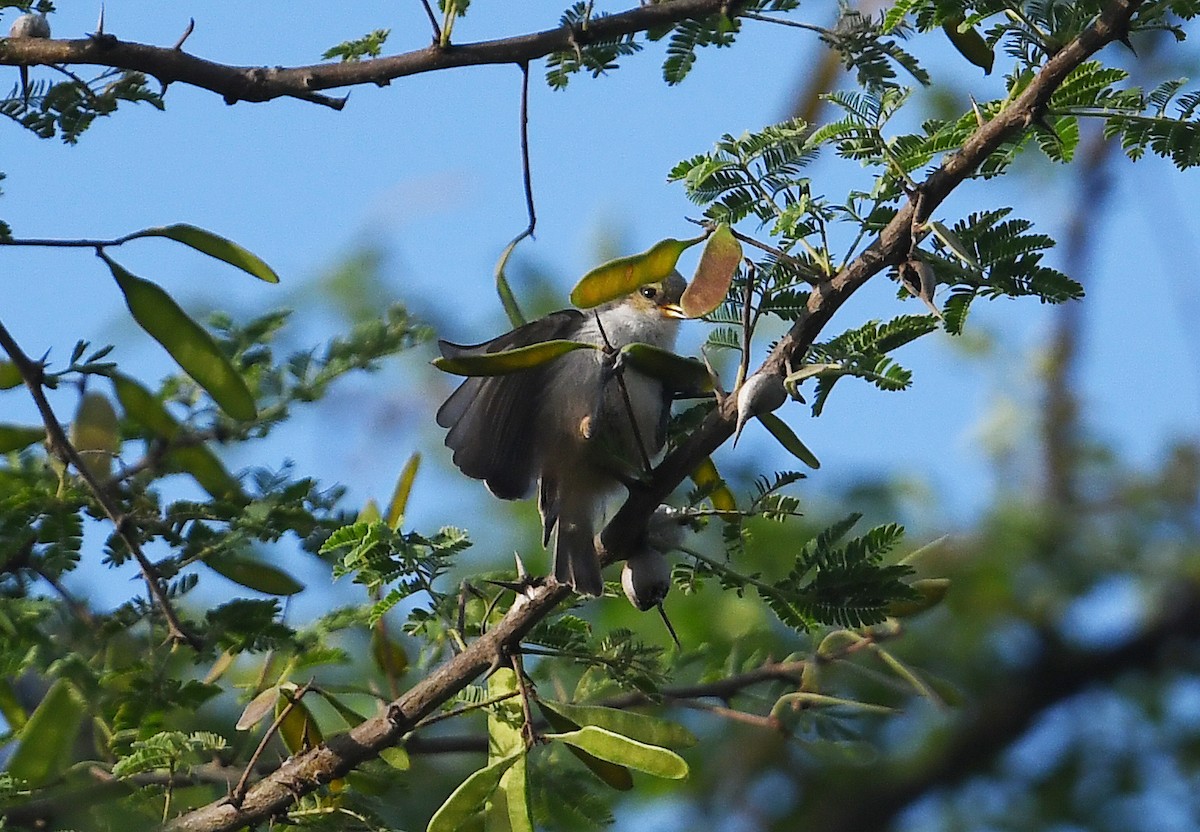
x: 191, y: 27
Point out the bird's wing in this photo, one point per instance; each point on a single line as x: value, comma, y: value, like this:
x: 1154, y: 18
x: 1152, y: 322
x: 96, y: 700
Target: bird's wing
x: 492, y: 419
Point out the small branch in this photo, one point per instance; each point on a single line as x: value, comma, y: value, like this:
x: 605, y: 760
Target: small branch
x: 465, y: 709
x: 526, y: 697
x: 437, y: 30
x: 31, y: 373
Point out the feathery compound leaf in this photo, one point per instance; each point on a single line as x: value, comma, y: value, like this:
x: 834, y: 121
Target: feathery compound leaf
x: 595, y: 56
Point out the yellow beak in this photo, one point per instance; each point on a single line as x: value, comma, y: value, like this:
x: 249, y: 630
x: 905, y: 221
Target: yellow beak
x: 672, y: 310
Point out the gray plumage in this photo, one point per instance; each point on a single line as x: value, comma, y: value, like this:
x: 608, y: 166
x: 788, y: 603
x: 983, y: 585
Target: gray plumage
x: 565, y: 424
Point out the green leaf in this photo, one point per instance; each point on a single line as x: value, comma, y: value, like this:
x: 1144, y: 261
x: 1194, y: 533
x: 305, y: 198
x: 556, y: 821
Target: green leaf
x: 508, y: 361
x: 930, y: 592
x: 718, y: 264
x: 213, y: 245
x: 507, y: 299
x: 396, y: 757
x: 678, y: 372
x: 641, y: 727
x: 969, y: 43
x: 254, y: 574
x: 612, y: 774
x: 470, y: 795
x: 619, y: 277
x: 44, y: 749
x: 709, y: 480
x: 395, y: 512
x: 187, y: 342
x: 298, y: 730
x: 96, y: 434
x: 789, y: 440
x: 607, y: 745
x: 16, y: 437
x: 142, y: 407
x: 10, y: 376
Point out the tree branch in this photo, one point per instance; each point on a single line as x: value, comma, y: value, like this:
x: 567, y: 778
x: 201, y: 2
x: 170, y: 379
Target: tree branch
x: 992, y: 724
x: 890, y: 248
x: 60, y: 446
x: 260, y: 83
x: 306, y: 772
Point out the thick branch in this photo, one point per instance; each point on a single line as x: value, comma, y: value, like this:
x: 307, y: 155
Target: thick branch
x: 260, y: 83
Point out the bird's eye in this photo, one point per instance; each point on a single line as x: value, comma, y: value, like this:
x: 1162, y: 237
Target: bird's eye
x: 649, y: 292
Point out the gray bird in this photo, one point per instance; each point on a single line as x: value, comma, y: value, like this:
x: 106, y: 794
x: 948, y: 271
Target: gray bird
x: 566, y: 423
x: 29, y: 25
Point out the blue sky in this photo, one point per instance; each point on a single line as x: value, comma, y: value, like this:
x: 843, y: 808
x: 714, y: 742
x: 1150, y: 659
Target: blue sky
x: 429, y: 169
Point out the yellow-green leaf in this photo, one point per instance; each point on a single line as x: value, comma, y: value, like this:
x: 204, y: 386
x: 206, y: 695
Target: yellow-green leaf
x: 678, y: 372
x: 508, y: 808
x: 718, y: 264
x: 708, y: 479
x: 396, y: 757
x: 614, y: 775
x: 470, y: 795
x: 16, y: 437
x: 508, y: 361
x: 930, y: 592
x: 602, y: 743
x: 370, y: 513
x: 10, y: 376
x: 507, y: 299
x: 254, y: 574
x: 619, y: 277
x: 298, y: 730
x: 788, y: 439
x: 213, y: 245
x: 969, y: 43
x: 257, y: 709
x: 641, y: 727
x: 187, y: 342
x: 96, y: 434
x: 395, y: 512
x: 388, y: 655
x: 198, y: 460
x: 142, y: 407
x: 44, y: 744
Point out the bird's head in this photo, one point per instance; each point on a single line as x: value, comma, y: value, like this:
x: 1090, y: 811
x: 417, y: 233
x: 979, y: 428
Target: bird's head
x: 659, y: 299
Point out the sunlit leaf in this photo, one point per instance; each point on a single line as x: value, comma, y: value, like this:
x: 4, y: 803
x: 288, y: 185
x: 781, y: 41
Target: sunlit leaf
x: 213, y: 245
x: 602, y: 743
x: 619, y: 277
x: 718, y: 264
x: 298, y: 730
x: 404, y: 484
x: 641, y: 727
x: 709, y: 480
x: 508, y: 361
